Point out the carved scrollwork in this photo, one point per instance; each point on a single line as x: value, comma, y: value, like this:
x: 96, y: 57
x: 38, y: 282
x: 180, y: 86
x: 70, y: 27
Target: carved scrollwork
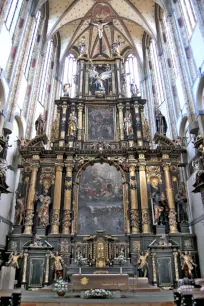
x: 29, y: 217
x: 145, y: 216
x: 172, y: 217
x: 153, y: 171
x: 134, y: 218
x: 55, y: 217
x: 67, y: 218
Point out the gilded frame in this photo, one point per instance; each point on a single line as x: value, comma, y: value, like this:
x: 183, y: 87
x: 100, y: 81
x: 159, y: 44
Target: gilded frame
x: 100, y: 106
x: 76, y: 197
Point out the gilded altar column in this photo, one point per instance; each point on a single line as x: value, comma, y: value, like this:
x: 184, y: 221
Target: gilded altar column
x: 133, y: 198
x: 143, y: 195
x: 67, y: 200
x: 121, y: 123
x: 170, y: 196
x: 25, y: 263
x: 57, y: 199
x: 30, y: 201
x: 80, y: 109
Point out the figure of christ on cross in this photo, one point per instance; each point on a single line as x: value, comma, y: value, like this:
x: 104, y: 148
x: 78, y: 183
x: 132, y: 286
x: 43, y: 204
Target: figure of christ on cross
x: 100, y: 26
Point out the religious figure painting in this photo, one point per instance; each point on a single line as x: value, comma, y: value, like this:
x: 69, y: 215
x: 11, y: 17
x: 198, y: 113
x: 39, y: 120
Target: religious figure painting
x: 100, y: 200
x: 100, y: 122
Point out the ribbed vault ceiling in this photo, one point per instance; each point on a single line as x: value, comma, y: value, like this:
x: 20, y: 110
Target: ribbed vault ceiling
x: 129, y: 20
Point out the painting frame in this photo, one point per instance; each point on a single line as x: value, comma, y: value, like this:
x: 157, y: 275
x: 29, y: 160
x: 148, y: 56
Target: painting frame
x: 100, y: 109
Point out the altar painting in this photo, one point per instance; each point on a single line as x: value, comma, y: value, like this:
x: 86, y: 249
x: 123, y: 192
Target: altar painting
x: 100, y: 122
x: 100, y: 205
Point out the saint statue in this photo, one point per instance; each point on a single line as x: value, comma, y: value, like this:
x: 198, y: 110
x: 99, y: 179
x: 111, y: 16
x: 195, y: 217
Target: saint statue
x: 143, y: 264
x: 82, y: 47
x: 20, y: 208
x: 43, y: 213
x: 181, y: 201
x: 40, y: 125
x: 128, y: 126
x: 161, y: 124
x: 161, y: 210
x: 14, y: 259
x: 72, y: 125
x: 133, y: 89
x: 100, y: 26
x: 187, y: 265
x: 57, y: 264
x: 67, y: 89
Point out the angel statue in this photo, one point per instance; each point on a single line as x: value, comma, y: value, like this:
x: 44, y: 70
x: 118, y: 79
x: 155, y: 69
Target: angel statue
x: 100, y: 77
x: 57, y: 264
x: 14, y: 260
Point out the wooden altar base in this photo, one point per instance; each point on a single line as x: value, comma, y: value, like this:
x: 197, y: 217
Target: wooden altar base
x: 38, y: 298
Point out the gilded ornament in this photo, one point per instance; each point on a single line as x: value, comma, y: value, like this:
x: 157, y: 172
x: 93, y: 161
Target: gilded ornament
x: 153, y: 172
x: 136, y: 246
x: 134, y: 218
x: 172, y: 217
x: 84, y: 281
x: 55, y: 217
x: 29, y: 217
x: 145, y: 216
x: 67, y: 218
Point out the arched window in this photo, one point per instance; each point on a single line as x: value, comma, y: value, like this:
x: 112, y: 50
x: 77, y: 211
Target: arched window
x: 131, y: 68
x: 44, y: 73
x: 189, y: 15
x: 12, y: 16
x: 33, y: 40
x: 158, y: 79
x: 70, y: 68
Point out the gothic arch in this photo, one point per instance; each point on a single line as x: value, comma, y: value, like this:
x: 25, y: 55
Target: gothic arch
x: 76, y: 193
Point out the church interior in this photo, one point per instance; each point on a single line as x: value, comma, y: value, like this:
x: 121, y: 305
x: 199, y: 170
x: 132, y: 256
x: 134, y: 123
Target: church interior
x: 101, y: 152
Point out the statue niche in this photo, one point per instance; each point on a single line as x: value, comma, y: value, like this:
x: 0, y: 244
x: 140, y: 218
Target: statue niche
x: 100, y: 200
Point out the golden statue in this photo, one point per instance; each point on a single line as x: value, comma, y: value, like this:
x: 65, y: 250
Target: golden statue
x: 143, y: 264
x: 72, y: 125
x: 187, y: 265
x: 57, y: 264
x: 14, y: 260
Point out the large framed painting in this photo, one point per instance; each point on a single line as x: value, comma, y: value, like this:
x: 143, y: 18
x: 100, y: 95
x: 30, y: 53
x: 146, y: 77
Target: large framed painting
x: 100, y: 122
x: 100, y: 202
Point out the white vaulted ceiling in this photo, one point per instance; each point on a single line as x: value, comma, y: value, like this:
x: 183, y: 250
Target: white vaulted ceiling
x: 130, y: 19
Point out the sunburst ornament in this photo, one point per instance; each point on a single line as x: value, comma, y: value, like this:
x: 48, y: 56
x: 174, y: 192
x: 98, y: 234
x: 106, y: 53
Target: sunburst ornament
x: 84, y: 281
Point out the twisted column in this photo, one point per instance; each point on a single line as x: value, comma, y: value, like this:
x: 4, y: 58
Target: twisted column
x: 144, y: 196
x: 57, y: 199
x: 134, y: 203
x: 67, y: 200
x: 120, y: 108
x: 30, y: 201
x: 170, y: 197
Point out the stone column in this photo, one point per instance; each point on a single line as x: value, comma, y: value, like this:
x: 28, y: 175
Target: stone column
x: 138, y: 124
x: 133, y: 200
x: 30, y: 201
x: 121, y: 123
x: 143, y: 195
x: 67, y: 200
x: 57, y: 199
x: 170, y: 198
x: 80, y: 109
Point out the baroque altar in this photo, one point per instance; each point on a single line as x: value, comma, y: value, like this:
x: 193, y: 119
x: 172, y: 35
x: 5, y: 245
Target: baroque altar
x: 101, y: 190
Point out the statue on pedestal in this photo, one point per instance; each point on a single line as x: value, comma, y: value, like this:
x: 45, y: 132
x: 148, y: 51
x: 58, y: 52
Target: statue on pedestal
x: 161, y: 210
x: 67, y: 89
x: 72, y: 125
x: 128, y: 125
x: 161, y: 124
x: 82, y: 47
x: 43, y: 212
x: 57, y: 264
x: 143, y: 264
x: 14, y: 259
x: 133, y: 89
x: 181, y: 201
x: 187, y: 265
x: 40, y: 125
x: 20, y: 208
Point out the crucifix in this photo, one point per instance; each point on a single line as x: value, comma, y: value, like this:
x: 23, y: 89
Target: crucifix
x: 100, y: 26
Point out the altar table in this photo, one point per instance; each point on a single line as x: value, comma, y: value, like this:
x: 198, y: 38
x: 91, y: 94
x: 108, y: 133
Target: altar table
x: 100, y: 281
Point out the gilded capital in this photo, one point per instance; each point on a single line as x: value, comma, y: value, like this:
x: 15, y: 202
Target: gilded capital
x: 166, y: 166
x: 59, y: 167
x: 132, y: 168
x: 120, y: 106
x: 142, y: 167
x: 80, y: 107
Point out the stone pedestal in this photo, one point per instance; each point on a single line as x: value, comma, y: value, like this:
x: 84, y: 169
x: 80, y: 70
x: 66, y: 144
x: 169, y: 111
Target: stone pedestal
x: 160, y: 229
x: 17, y: 229
x: 7, y: 278
x: 184, y: 228
x: 41, y: 230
